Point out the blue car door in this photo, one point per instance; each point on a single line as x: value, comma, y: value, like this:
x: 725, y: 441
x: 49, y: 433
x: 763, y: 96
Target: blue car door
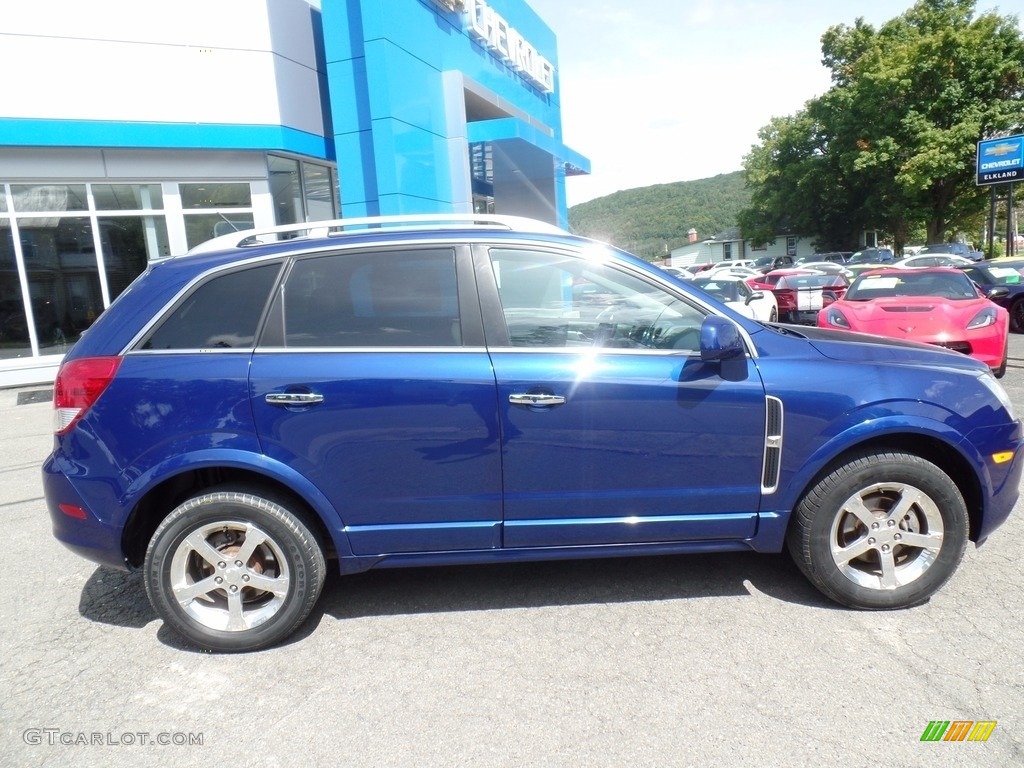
x: 371, y: 383
x: 613, y: 430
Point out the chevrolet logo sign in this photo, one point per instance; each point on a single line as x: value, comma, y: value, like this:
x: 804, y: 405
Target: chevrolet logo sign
x: 999, y: 150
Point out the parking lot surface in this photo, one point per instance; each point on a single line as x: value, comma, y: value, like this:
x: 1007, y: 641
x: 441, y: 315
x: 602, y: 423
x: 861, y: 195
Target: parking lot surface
x: 682, y: 661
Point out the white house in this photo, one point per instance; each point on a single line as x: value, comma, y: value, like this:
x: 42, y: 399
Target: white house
x: 730, y: 245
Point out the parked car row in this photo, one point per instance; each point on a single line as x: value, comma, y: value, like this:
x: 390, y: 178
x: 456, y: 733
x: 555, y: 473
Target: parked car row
x: 940, y: 254
x: 935, y: 298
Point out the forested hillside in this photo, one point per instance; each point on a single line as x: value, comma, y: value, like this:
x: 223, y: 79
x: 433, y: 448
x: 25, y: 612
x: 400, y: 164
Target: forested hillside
x: 648, y: 220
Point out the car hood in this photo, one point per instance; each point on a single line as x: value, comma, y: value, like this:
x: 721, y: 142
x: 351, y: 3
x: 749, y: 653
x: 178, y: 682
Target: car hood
x: 911, y: 317
x: 863, y: 347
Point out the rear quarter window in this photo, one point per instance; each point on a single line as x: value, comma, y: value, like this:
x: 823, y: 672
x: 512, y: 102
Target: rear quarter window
x: 222, y: 313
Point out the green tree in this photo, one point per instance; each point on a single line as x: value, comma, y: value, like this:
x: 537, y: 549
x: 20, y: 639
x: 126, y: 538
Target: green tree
x: 892, y: 144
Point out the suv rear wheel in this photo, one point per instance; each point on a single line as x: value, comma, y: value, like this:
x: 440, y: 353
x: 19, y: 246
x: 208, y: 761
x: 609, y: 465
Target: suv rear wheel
x: 881, y: 531
x: 231, y: 570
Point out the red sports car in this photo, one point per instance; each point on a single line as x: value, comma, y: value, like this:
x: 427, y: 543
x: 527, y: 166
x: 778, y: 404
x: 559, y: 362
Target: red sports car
x: 935, y: 305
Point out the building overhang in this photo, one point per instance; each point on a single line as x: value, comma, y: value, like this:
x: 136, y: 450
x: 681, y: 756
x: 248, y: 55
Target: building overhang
x: 20, y: 132
x: 514, y: 129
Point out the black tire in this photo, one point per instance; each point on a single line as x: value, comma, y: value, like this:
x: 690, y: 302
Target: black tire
x: 773, y: 316
x: 203, y: 541
x: 893, y: 559
x: 1017, y: 316
x: 1000, y: 370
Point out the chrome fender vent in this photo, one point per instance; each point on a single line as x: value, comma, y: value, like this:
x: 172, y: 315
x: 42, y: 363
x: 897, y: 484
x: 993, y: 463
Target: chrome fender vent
x: 772, y: 445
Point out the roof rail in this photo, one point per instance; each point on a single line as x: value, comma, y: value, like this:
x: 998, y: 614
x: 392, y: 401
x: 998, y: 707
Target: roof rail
x: 334, y: 227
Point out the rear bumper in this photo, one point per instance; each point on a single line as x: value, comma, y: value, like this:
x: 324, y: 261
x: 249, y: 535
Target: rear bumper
x: 86, y: 536
x: 799, y: 316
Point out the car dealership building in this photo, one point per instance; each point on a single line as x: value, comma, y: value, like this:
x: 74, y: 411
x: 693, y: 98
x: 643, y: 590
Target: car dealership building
x: 130, y: 132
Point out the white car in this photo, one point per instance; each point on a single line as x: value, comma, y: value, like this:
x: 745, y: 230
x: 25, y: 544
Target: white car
x: 680, y: 272
x: 932, y: 260
x: 733, y: 291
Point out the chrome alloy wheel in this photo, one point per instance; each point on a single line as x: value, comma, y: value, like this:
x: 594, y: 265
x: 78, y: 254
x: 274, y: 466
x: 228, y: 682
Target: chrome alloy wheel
x: 230, y: 576
x: 886, y: 536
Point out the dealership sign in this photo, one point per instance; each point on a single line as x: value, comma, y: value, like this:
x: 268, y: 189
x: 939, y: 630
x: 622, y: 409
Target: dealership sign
x: 1001, y: 161
x: 491, y: 29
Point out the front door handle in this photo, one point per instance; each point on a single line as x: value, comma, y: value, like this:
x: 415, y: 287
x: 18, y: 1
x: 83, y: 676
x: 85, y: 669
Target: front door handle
x: 535, y: 399
x: 294, y: 398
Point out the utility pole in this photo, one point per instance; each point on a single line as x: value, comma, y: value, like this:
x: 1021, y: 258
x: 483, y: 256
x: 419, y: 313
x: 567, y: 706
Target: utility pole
x: 1011, y: 222
x: 991, y: 221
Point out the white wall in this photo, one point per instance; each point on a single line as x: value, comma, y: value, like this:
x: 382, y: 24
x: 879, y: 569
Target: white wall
x: 237, y: 62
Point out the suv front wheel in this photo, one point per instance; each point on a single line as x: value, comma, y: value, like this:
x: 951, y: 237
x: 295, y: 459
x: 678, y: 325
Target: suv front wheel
x: 230, y: 570
x: 880, y: 531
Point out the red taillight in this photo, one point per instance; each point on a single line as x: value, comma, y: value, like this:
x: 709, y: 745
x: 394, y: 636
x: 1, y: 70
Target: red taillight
x: 785, y: 298
x: 79, y: 384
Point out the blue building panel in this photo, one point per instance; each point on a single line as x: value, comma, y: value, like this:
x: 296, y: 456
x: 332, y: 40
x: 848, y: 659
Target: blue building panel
x: 405, y: 87
x: 350, y: 98
x: 401, y: 204
x: 415, y: 170
x: 419, y: 28
x: 409, y: 46
x: 359, y: 184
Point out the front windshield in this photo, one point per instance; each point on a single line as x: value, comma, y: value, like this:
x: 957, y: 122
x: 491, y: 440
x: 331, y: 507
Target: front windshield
x: 1001, y: 275
x: 815, y: 281
x: 949, y: 285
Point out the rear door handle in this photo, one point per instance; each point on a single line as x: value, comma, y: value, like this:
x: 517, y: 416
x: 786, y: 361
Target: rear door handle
x: 294, y: 398
x: 535, y: 399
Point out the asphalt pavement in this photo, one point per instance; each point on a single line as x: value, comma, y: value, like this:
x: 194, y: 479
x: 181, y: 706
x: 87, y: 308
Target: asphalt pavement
x: 707, y: 660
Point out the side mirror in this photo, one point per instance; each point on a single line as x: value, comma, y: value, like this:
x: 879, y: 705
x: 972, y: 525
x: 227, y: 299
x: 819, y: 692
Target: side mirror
x: 755, y: 296
x: 720, y: 340
x: 1000, y: 292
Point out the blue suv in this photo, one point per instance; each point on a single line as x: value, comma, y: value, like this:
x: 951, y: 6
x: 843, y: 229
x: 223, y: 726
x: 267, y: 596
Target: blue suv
x: 412, y: 391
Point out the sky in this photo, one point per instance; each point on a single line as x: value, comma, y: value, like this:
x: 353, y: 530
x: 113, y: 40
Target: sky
x: 657, y: 91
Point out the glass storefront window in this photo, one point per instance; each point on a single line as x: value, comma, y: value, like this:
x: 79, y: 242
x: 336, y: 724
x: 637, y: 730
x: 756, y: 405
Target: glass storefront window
x: 128, y: 243
x: 3, y: 200
x: 14, y: 338
x: 302, y: 191
x: 319, y: 188
x: 286, y: 188
x: 63, y: 279
x: 39, y: 198
x: 127, y: 197
x: 201, y: 227
x: 215, y: 195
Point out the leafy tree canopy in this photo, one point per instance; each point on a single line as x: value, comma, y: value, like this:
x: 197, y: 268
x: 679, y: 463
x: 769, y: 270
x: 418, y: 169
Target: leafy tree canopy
x: 892, y: 145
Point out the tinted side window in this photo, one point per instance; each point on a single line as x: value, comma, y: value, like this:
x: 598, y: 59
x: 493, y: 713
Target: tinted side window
x: 221, y: 313
x: 552, y: 300
x: 393, y: 299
